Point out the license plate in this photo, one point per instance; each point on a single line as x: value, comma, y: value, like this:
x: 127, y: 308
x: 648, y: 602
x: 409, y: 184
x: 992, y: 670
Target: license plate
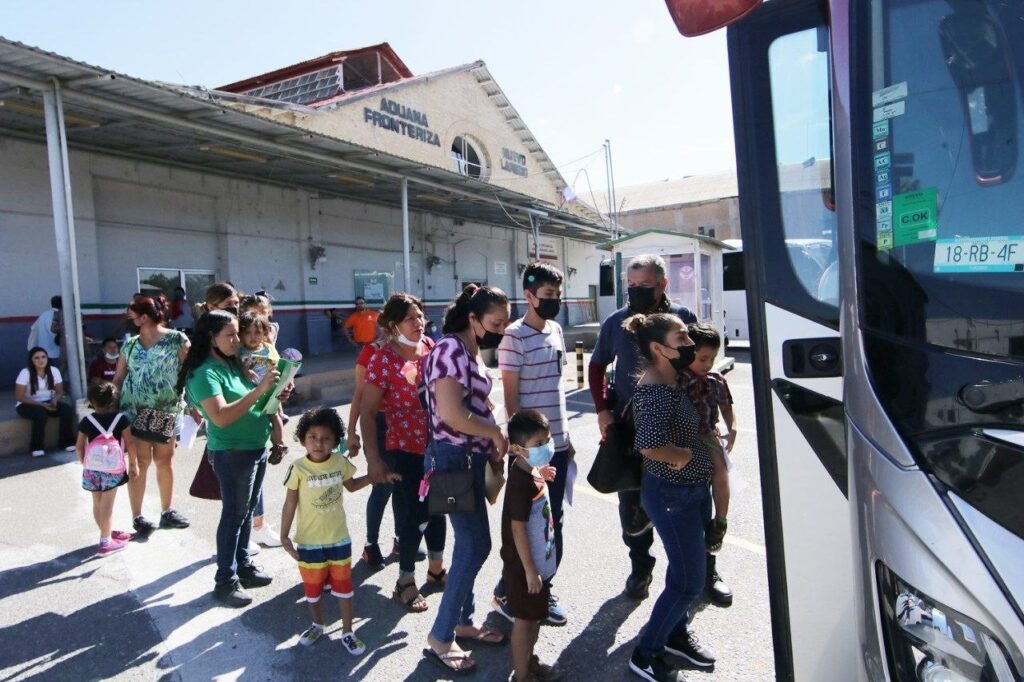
x: 980, y: 254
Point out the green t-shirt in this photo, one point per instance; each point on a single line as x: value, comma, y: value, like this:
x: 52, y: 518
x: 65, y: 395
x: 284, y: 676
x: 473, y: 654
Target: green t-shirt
x: 251, y: 431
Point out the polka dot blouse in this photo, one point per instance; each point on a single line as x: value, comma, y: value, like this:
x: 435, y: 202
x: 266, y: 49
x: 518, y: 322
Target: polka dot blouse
x: 663, y: 415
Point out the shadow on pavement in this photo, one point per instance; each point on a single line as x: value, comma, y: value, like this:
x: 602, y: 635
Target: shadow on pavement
x: 16, y: 465
x: 591, y: 646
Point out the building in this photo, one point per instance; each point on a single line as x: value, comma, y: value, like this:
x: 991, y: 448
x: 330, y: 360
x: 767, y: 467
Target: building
x: 341, y: 176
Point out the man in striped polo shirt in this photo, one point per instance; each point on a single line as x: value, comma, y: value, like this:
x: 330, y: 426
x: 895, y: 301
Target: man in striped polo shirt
x: 531, y: 357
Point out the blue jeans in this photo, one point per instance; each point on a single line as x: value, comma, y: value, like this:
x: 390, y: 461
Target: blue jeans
x: 677, y: 511
x: 556, y: 495
x: 240, y: 474
x: 377, y: 502
x: 472, y: 542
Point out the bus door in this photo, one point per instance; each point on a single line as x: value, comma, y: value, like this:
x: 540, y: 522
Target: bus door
x: 780, y: 70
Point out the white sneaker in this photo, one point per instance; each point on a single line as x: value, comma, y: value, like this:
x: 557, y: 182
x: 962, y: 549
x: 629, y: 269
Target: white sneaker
x: 266, y: 536
x: 352, y: 644
x: 71, y: 448
x: 254, y: 549
x: 38, y: 453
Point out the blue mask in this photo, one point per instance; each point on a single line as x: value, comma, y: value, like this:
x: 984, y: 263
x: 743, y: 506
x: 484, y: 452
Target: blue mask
x: 539, y: 455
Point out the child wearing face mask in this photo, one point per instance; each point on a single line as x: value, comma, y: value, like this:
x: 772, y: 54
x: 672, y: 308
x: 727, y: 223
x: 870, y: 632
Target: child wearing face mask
x: 528, y: 539
x: 531, y: 357
x: 104, y: 367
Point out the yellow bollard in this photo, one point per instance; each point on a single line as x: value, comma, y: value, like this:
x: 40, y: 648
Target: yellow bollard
x: 579, y: 364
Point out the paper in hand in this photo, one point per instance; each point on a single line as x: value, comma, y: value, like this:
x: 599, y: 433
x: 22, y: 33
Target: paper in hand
x: 570, y: 480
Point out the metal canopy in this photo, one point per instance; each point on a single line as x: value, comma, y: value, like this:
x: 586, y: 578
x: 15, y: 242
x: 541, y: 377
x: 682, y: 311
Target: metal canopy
x: 110, y: 113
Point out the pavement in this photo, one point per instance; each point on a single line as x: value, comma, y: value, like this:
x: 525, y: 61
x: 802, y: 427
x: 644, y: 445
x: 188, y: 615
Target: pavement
x: 146, y: 613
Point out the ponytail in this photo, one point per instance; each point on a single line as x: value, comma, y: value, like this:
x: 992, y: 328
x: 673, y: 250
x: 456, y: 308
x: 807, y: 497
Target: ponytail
x: 473, y: 299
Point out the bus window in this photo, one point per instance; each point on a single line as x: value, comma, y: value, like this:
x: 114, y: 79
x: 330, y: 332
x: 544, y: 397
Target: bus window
x: 799, y: 72
x: 733, y: 278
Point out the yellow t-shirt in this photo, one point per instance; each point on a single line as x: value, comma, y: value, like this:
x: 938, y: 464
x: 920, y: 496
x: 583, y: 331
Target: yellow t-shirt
x: 320, y: 515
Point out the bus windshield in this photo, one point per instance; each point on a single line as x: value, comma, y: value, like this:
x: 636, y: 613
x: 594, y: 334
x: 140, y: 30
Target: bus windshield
x: 943, y: 233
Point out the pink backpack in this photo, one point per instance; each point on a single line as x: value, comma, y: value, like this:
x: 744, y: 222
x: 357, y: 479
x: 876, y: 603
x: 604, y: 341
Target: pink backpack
x: 104, y: 452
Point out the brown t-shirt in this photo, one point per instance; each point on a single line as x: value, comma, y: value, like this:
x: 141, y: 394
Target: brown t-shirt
x: 526, y: 500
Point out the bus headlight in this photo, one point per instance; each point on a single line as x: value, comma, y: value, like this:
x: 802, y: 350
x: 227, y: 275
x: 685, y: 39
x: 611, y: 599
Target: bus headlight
x: 927, y: 641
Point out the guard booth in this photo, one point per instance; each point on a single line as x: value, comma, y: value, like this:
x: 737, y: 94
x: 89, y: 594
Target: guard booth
x: 694, y: 270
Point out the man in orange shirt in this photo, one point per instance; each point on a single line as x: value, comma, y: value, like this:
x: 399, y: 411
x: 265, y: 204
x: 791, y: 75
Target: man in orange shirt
x: 361, y: 325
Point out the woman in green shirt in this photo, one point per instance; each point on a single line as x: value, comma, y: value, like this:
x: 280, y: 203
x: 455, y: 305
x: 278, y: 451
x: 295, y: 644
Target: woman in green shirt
x: 237, y: 436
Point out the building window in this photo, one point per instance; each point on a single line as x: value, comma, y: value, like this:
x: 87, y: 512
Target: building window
x: 466, y: 160
x: 153, y: 281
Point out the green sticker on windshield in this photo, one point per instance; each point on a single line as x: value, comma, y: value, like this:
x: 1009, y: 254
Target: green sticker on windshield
x: 914, y: 217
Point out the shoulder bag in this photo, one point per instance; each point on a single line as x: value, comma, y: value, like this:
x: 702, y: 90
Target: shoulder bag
x: 617, y: 466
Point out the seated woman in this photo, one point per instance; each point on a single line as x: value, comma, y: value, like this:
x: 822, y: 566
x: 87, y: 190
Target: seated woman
x: 38, y: 390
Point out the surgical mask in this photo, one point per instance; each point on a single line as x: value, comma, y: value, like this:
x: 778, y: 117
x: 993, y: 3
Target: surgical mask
x: 539, y: 455
x: 406, y: 341
x: 112, y: 357
x: 685, y: 359
x: 641, y: 299
x: 548, y: 308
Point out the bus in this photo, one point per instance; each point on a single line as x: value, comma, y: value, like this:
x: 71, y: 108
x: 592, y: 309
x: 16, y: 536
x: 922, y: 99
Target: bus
x: 889, y: 389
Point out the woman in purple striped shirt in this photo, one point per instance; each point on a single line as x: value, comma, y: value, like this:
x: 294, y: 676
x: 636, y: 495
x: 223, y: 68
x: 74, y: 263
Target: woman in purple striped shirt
x: 464, y: 434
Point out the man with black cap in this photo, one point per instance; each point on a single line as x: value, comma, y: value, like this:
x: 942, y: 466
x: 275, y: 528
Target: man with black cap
x: 647, y: 282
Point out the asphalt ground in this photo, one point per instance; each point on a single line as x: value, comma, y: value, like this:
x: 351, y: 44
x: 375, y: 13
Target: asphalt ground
x: 147, y: 612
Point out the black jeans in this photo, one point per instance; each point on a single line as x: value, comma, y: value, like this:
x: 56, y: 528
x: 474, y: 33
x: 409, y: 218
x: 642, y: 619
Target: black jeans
x: 39, y: 415
x: 240, y: 474
x: 412, y: 521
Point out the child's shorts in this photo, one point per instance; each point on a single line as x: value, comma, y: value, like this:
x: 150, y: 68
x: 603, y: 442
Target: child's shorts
x: 100, y: 481
x: 522, y: 604
x: 321, y: 565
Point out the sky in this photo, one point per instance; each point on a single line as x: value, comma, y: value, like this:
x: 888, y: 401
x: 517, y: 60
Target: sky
x: 577, y: 71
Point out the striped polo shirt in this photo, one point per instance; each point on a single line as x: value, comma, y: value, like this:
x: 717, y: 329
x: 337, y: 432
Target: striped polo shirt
x: 538, y: 357
x: 450, y: 358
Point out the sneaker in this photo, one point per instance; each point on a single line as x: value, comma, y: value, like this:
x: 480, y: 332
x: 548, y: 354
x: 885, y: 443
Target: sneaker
x: 266, y: 536
x: 311, y: 634
x: 232, y: 594
x: 372, y: 556
x: 121, y: 535
x: 111, y: 546
x: 38, y: 453
x: 556, y: 614
x: 714, y: 534
x: 352, y: 644
x: 689, y: 647
x: 500, y: 605
x: 654, y: 669
x: 143, y: 525
x: 172, y: 519
x: 70, y: 448
x: 638, y: 585
x: 254, y: 549
x: 717, y: 591
x: 252, y: 576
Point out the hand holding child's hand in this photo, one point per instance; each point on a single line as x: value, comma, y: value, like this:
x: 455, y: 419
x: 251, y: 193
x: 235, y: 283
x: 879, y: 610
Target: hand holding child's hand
x: 287, y: 546
x: 393, y: 477
x: 534, y: 583
x: 547, y: 472
x: 133, y: 471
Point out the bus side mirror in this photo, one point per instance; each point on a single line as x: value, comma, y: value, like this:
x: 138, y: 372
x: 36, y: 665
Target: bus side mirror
x: 697, y: 17
x: 977, y: 57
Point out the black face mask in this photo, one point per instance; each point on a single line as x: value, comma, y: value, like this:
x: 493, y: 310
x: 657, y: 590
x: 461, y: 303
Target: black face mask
x: 685, y: 359
x: 641, y: 299
x: 549, y: 308
x: 489, y: 340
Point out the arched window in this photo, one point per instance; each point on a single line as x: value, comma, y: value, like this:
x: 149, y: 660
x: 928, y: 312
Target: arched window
x: 466, y: 160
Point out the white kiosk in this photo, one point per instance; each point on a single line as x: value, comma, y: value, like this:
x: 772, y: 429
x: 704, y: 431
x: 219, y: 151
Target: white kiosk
x: 694, y: 274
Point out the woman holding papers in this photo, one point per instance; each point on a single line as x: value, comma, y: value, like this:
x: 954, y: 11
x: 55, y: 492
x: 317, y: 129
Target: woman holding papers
x: 237, y: 436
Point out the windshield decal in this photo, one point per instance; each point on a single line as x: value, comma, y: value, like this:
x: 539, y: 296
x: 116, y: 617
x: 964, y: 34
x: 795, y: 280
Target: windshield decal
x: 980, y: 254
x: 889, y: 94
x: 914, y: 217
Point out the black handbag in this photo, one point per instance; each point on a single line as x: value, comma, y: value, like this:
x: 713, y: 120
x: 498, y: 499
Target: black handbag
x: 617, y: 466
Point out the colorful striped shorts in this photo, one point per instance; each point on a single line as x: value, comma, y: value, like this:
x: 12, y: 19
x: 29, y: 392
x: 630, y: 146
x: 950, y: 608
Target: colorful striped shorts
x: 320, y: 565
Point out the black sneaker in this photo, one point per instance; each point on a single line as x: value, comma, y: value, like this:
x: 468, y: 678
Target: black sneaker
x: 717, y: 591
x: 143, y: 526
x: 638, y: 585
x: 252, y: 576
x: 172, y: 519
x: 655, y: 669
x: 232, y: 594
x: 689, y: 647
x: 372, y: 556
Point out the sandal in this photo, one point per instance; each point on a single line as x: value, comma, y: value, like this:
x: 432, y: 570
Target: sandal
x: 445, y: 661
x: 414, y: 603
x: 485, y: 635
x: 437, y: 580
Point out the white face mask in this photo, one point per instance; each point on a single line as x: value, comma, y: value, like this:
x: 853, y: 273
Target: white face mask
x: 402, y: 339
x: 113, y: 357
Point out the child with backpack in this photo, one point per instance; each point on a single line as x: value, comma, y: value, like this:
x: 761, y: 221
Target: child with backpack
x: 103, y: 440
